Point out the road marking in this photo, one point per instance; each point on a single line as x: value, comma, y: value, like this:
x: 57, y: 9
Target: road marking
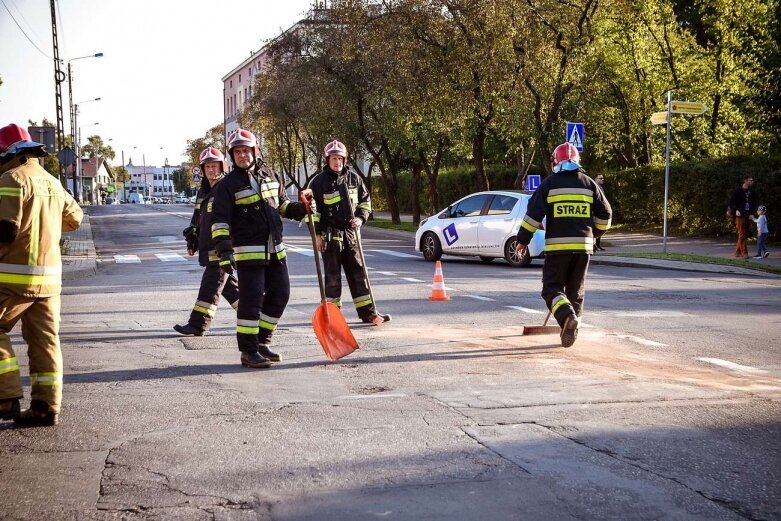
x: 640, y: 340
x: 396, y: 254
x: 302, y: 251
x: 526, y: 310
x: 389, y: 273
x: 478, y: 297
x: 410, y: 279
x: 170, y: 257
x: 127, y: 259
x: 732, y: 365
x: 646, y: 313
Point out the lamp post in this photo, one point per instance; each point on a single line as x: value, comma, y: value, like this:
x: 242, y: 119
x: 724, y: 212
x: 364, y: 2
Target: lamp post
x: 70, y: 90
x: 143, y: 173
x: 76, y: 145
x: 79, y: 162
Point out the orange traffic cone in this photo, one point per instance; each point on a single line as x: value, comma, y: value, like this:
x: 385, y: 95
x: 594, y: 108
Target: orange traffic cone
x: 438, y: 288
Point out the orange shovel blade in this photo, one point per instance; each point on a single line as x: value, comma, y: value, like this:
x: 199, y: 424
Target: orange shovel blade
x: 332, y: 331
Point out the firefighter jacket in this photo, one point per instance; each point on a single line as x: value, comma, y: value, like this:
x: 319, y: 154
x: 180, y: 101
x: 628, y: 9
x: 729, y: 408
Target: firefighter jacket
x: 576, y: 211
x: 339, y: 197
x: 247, y: 216
x: 34, y: 211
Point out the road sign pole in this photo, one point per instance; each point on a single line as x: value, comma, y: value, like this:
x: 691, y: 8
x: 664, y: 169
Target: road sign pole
x: 667, y: 167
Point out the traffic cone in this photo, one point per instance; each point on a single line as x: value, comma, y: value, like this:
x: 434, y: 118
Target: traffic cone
x: 438, y: 288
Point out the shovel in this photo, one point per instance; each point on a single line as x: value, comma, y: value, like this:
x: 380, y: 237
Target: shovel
x: 363, y: 261
x: 544, y: 329
x: 330, y: 327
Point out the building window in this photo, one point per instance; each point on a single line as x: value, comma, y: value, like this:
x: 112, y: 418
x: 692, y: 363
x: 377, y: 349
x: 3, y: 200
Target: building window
x: 239, y: 78
x: 231, y: 84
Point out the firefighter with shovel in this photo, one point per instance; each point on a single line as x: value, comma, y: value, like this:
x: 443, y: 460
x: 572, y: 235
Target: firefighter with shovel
x: 343, y: 205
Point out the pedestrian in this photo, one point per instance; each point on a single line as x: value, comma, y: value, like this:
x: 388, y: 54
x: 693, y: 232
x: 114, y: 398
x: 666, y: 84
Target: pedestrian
x: 34, y: 211
x: 576, y: 210
x: 762, y: 232
x: 248, y: 207
x: 600, y: 180
x: 742, y: 205
x: 344, y: 205
x: 199, y: 239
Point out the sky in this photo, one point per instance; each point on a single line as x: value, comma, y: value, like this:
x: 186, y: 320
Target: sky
x: 159, y: 79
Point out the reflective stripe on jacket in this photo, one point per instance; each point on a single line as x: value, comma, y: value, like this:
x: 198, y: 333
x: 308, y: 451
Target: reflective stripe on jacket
x: 335, y: 193
x: 576, y: 211
x: 36, y: 204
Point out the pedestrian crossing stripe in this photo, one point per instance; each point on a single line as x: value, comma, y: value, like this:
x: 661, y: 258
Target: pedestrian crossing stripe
x: 176, y: 257
x: 170, y: 257
x: 127, y: 259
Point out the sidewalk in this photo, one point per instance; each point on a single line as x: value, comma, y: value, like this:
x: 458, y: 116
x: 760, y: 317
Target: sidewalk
x: 78, y: 252
x: 618, y: 243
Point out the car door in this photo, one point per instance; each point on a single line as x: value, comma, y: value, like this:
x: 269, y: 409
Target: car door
x: 460, y: 230
x: 497, y: 224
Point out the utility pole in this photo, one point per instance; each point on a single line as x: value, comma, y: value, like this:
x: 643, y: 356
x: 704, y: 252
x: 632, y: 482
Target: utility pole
x: 59, y: 77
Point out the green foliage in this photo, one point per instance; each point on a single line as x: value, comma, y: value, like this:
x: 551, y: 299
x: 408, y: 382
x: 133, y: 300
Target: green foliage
x: 698, y: 195
x: 96, y: 147
x: 182, y: 178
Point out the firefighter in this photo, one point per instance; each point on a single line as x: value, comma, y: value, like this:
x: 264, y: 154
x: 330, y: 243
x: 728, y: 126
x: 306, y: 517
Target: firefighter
x: 344, y: 205
x: 34, y: 210
x: 199, y: 239
x: 247, y: 232
x: 576, y: 211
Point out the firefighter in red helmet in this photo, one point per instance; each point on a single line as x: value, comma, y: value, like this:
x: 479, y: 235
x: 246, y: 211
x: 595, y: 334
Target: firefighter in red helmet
x: 247, y: 233
x: 34, y: 211
x: 576, y: 211
x: 199, y: 239
x: 344, y: 205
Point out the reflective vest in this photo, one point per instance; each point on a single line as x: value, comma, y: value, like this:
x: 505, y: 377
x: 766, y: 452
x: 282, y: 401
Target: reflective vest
x: 35, y: 203
x: 575, y: 210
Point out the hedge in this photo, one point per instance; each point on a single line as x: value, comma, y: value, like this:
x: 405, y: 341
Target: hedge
x: 698, y: 196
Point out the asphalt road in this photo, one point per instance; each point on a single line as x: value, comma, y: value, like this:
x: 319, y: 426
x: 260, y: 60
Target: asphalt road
x: 667, y: 407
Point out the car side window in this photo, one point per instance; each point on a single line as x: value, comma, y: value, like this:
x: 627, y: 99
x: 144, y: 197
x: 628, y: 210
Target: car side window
x: 502, y: 204
x: 470, y: 206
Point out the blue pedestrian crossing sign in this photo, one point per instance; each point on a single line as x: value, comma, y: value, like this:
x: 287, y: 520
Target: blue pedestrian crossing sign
x: 532, y: 182
x: 575, y: 135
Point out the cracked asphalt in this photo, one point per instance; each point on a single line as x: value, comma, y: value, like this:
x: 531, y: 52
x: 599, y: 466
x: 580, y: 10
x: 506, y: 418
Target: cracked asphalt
x: 446, y: 413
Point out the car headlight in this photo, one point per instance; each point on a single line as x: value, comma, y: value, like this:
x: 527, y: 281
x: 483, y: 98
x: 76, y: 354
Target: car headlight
x: 422, y: 222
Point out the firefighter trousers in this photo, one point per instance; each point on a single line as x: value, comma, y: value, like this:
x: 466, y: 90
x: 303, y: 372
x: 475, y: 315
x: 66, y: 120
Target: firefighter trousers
x: 40, y: 329
x: 350, y: 258
x: 264, y: 292
x: 213, y: 282
x: 564, y: 284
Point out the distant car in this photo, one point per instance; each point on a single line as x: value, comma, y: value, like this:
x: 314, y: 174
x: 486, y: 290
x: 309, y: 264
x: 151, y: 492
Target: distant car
x: 111, y: 200
x: 180, y: 199
x: 482, y: 224
x: 135, y: 198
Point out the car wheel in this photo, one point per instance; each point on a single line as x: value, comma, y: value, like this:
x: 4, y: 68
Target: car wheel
x: 512, y: 257
x: 486, y: 259
x: 431, y: 247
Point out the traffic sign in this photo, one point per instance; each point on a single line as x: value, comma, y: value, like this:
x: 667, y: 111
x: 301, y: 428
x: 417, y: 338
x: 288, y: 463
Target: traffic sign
x: 575, y: 135
x: 196, y: 174
x: 687, y: 107
x: 532, y: 182
x: 659, y: 118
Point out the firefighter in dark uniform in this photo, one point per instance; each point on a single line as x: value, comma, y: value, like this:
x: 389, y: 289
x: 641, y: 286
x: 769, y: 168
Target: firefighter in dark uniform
x: 576, y: 211
x: 247, y: 232
x: 199, y: 239
x: 344, y: 205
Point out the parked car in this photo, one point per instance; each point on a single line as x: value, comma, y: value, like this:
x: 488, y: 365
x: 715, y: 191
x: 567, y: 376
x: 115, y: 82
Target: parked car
x: 111, y: 200
x: 135, y: 198
x: 181, y: 199
x: 482, y: 224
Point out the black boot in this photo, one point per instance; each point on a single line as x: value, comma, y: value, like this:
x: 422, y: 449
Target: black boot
x: 254, y: 360
x: 376, y: 319
x: 9, y: 408
x: 569, y: 333
x: 37, y: 415
x: 189, y: 330
x: 264, y: 350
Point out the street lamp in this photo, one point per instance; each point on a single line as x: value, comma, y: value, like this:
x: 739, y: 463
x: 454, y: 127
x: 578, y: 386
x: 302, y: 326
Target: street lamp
x: 76, y: 144
x: 70, y: 88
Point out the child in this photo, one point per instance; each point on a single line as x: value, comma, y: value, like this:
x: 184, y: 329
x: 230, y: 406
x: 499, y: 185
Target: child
x: 761, y: 232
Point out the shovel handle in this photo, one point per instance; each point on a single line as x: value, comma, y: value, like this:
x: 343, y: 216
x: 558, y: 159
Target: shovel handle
x: 546, y: 319
x: 311, y: 225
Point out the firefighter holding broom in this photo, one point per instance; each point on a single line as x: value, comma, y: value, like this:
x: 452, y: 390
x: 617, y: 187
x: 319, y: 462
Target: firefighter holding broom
x: 576, y: 211
x: 344, y: 205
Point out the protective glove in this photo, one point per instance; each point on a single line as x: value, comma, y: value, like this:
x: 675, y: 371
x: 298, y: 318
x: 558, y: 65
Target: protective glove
x: 228, y: 262
x: 190, y: 231
x: 192, y: 244
x: 356, y: 223
x: 306, y: 197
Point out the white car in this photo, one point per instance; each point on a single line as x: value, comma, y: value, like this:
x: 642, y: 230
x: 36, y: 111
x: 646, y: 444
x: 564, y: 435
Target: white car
x: 483, y: 224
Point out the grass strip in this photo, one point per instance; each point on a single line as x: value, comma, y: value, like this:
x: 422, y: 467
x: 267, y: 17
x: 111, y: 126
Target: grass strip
x: 388, y: 225
x: 702, y: 259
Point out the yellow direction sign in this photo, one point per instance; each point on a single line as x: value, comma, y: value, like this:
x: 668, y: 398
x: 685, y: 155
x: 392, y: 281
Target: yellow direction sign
x: 687, y: 107
x: 659, y: 118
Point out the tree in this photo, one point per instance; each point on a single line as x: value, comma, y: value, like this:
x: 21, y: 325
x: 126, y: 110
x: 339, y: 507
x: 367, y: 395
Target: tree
x: 214, y: 137
x: 95, y: 147
x: 182, y: 180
